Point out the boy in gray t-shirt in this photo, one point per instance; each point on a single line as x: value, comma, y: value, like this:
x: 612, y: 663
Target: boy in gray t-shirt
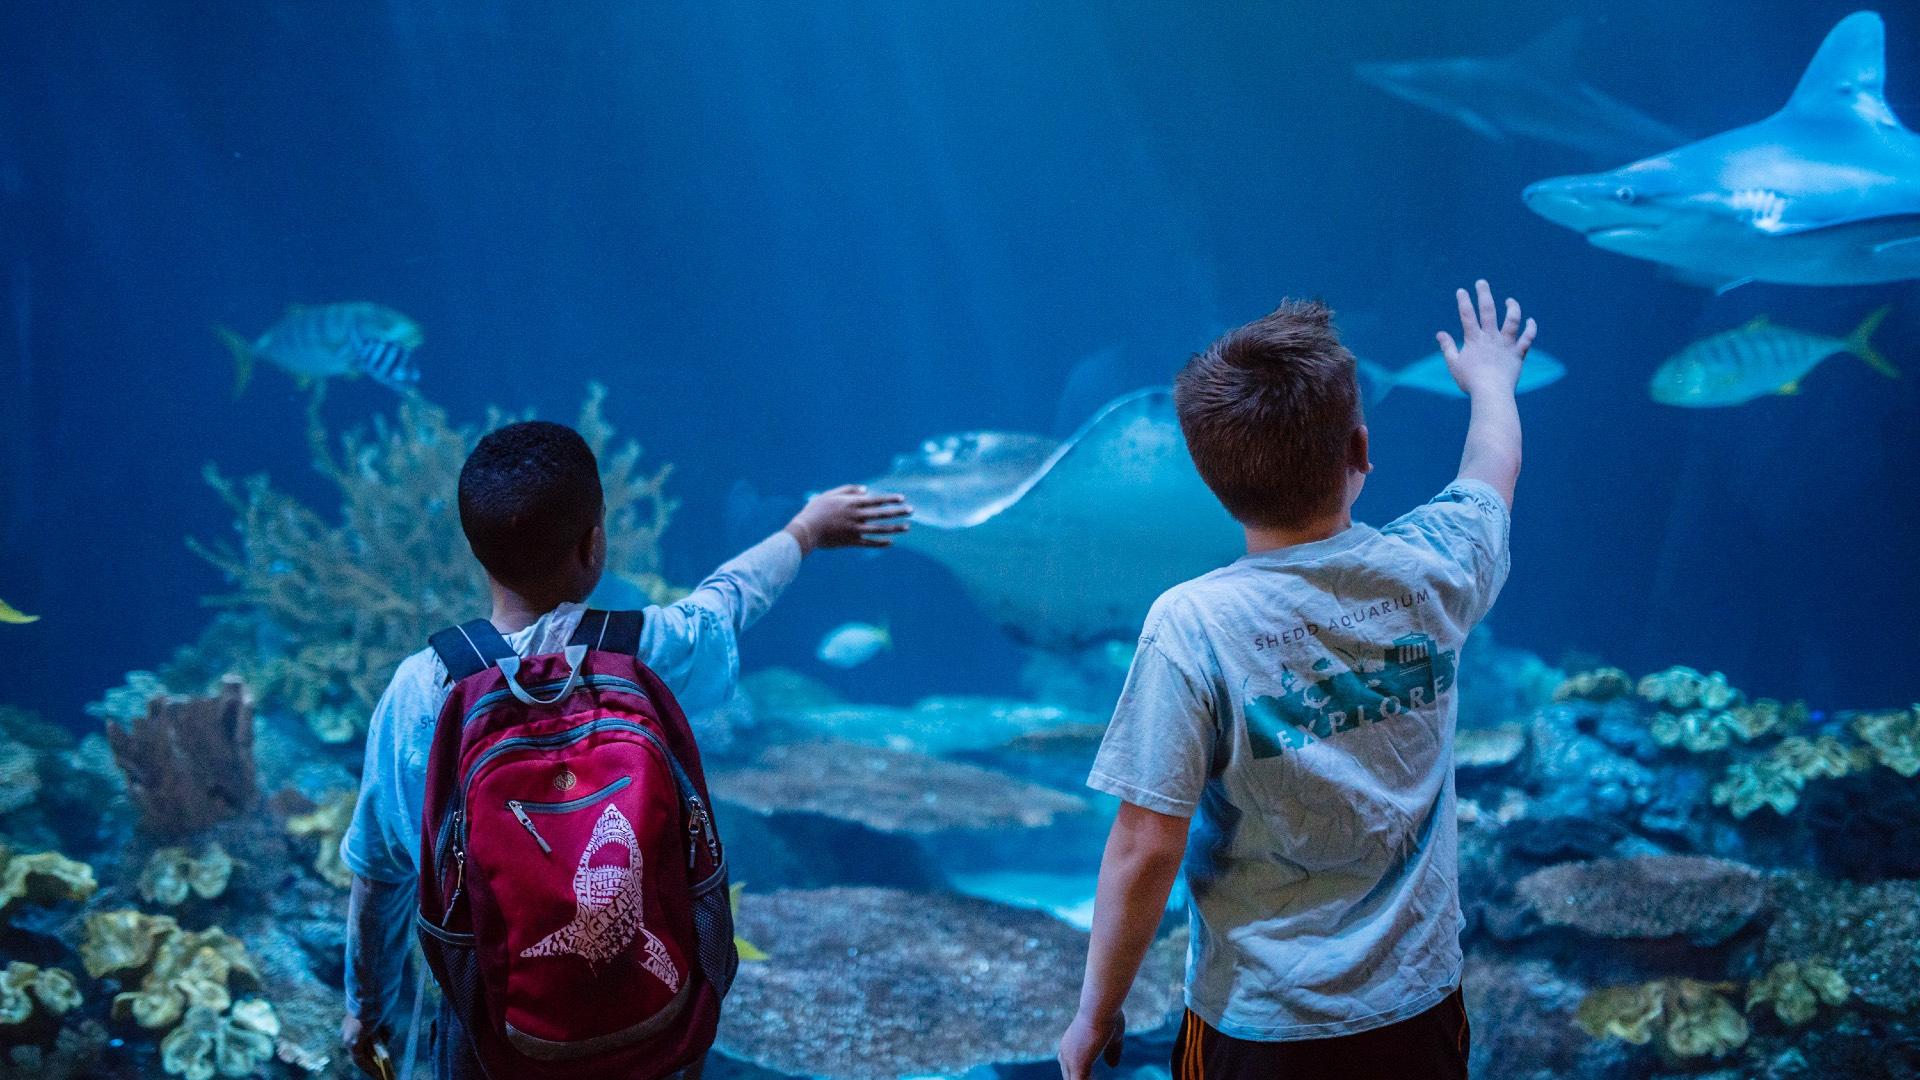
x: 1286, y: 732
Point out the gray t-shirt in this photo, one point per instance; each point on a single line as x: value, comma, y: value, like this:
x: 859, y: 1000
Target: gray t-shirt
x: 1299, y: 706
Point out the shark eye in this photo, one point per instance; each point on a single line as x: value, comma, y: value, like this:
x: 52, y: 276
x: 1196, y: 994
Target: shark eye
x: 1624, y: 195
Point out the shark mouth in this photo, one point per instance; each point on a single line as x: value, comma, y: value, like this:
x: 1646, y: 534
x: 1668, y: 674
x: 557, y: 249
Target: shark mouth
x: 609, y: 898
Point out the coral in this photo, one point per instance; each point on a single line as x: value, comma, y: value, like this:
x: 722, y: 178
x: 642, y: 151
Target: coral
x: 1749, y: 785
x: 859, y: 970
x: 1894, y: 738
x: 208, y: 1043
x: 1651, y: 896
x: 1600, y: 684
x: 1690, y: 1018
x: 889, y: 790
x: 173, y: 873
x: 1797, y: 988
x: 342, y: 603
x: 1764, y: 717
x: 1683, y: 688
x: 19, y: 775
x: 128, y: 702
x: 189, y: 761
x: 1869, y: 935
x: 327, y: 822
x: 43, y: 878
x: 75, y: 1055
x: 1488, y: 748
x: 27, y: 992
x: 1698, y: 730
x: 123, y: 940
x: 187, y: 970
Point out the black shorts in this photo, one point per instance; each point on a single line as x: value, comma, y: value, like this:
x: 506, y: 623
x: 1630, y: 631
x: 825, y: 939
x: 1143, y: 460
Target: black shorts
x: 1430, y: 1046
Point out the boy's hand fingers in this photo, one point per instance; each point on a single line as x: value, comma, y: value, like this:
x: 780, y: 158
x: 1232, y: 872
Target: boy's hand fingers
x: 1488, y: 320
x: 880, y: 500
x: 1447, y: 347
x: 1468, y: 324
x: 1526, y: 338
x: 878, y: 528
x: 873, y: 542
x: 1511, y: 325
x: 888, y: 513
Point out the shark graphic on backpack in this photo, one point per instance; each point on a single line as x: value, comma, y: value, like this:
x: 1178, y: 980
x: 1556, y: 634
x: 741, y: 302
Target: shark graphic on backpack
x: 573, y: 896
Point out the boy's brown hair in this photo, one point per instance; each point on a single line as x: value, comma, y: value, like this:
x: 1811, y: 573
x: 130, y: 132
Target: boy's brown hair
x: 1269, y: 412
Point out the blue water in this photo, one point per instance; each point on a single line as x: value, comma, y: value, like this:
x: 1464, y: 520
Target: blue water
x: 796, y: 239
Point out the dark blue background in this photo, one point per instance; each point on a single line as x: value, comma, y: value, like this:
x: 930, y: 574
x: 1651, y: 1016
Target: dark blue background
x: 797, y: 238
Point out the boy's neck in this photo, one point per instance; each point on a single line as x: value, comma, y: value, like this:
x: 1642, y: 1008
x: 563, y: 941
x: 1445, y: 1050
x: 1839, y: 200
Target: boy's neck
x: 514, y: 611
x: 1262, y: 538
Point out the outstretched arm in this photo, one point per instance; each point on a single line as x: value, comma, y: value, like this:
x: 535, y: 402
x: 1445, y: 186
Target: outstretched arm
x: 1136, y: 875
x: 1486, y: 364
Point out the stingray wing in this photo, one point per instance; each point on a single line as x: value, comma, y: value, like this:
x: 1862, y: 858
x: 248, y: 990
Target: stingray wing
x: 1077, y: 550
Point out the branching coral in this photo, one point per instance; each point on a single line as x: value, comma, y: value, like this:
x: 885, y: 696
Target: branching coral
x: 1690, y: 1018
x: 333, y: 607
x: 209, y: 1043
x: 174, y: 873
x: 27, y: 992
x: 189, y: 761
x: 43, y: 878
x: 1894, y: 738
x: 1797, y: 989
x: 1600, y: 684
x: 327, y: 823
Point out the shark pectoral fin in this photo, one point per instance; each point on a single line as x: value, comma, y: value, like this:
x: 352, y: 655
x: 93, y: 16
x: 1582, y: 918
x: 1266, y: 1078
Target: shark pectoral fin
x: 1480, y: 124
x: 1860, y: 343
x: 1789, y: 389
x: 1727, y: 287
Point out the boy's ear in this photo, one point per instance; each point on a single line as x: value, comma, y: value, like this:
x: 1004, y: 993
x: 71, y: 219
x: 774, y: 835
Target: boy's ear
x: 593, y: 547
x: 1357, y: 458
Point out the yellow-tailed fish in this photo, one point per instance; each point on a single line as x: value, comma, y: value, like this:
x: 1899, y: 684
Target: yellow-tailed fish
x: 328, y: 340
x: 14, y: 616
x: 1755, y: 360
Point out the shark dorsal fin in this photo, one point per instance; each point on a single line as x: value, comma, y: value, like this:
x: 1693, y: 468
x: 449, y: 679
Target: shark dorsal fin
x: 1554, y: 50
x: 1847, y: 77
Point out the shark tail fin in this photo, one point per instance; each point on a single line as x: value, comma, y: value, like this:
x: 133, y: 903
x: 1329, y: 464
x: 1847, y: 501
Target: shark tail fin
x: 1860, y: 344
x: 1376, y: 381
x: 242, y: 351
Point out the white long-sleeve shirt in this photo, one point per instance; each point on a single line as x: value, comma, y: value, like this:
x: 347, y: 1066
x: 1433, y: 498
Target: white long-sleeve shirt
x: 692, y: 644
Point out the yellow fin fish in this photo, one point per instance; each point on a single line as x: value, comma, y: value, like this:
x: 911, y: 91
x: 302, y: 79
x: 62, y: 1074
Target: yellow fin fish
x: 13, y: 615
x: 749, y: 953
x: 1757, y: 359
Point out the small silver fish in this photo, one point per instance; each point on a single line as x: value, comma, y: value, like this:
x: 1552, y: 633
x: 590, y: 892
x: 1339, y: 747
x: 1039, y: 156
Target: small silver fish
x: 1752, y: 361
x: 329, y: 340
x: 853, y: 644
x: 1430, y: 373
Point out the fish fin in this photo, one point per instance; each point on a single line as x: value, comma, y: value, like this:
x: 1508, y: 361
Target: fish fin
x: 1859, y: 343
x: 1376, y: 379
x: 1845, y: 82
x: 1726, y: 287
x: 242, y: 351
x: 1480, y: 125
x: 13, y: 616
x: 1894, y: 245
x: 1789, y: 389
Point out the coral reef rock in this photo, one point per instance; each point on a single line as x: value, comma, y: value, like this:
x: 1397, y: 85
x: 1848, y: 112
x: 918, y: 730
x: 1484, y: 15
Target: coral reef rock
x: 28, y: 991
x: 1893, y: 737
x: 19, y: 775
x: 1797, y: 988
x: 1867, y: 935
x: 869, y: 983
x: 1690, y: 1018
x: 889, y: 790
x: 1683, y: 688
x: 1488, y: 748
x: 173, y: 874
x: 1522, y: 1013
x: 1703, y: 899
x: 189, y: 761
x: 345, y: 603
x: 327, y: 823
x: 1600, y: 684
x: 45, y: 877
x: 210, y: 1043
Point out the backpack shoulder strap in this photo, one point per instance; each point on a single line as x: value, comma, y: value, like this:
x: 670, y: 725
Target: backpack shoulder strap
x: 470, y: 648
x: 610, y: 631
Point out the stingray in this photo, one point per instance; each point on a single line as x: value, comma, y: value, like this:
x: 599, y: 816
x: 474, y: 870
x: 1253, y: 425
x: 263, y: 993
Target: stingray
x: 1064, y: 544
x: 1825, y: 191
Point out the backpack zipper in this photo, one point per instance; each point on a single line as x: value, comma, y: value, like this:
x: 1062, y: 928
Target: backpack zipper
x: 521, y: 809
x: 492, y: 698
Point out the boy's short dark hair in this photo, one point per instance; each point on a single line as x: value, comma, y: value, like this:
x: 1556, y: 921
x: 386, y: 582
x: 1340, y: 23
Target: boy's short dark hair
x: 528, y: 493
x: 1269, y: 412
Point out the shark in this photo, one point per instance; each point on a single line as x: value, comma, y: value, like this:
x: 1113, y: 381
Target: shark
x: 1526, y: 95
x: 1067, y: 543
x: 1826, y: 191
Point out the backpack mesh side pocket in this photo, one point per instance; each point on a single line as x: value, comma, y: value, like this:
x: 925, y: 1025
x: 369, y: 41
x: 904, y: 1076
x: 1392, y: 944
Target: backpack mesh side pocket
x: 713, y: 931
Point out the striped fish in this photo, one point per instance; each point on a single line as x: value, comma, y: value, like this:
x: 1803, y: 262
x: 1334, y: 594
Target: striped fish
x: 329, y: 340
x: 1737, y: 366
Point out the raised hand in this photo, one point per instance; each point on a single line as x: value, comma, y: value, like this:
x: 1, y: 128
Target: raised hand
x: 1489, y: 354
x: 850, y: 516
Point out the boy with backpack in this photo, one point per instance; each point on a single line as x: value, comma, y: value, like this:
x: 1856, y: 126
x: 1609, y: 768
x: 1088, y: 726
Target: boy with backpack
x: 1286, y: 730
x: 532, y: 802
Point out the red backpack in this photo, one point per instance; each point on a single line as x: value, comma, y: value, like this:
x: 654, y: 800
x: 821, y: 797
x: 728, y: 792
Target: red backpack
x: 573, y: 893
